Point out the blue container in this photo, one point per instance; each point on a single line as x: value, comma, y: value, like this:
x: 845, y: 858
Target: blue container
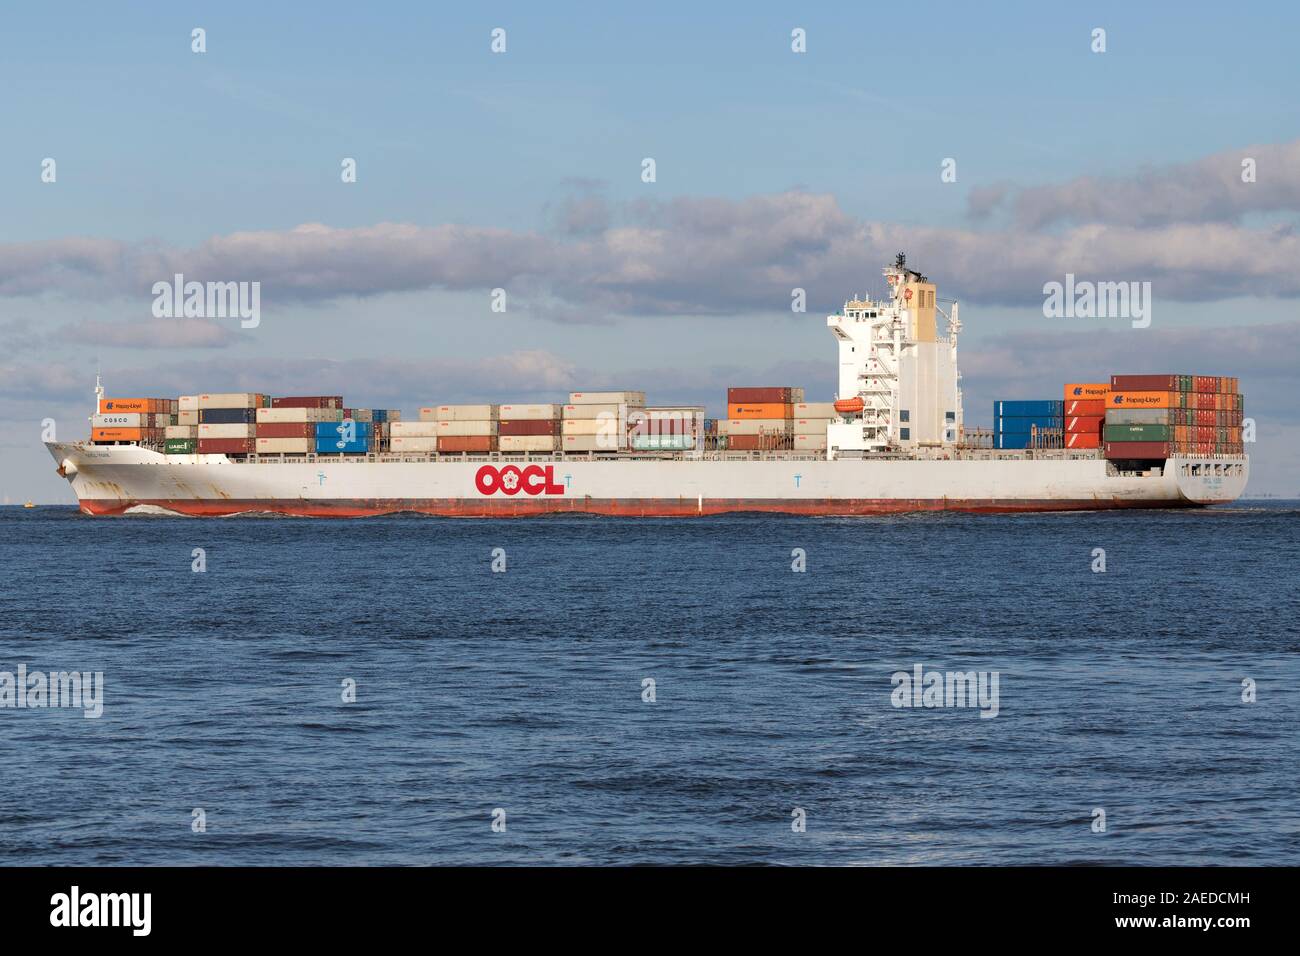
x: 228, y: 416
x: 1044, y: 408
x: 337, y: 446
x: 1027, y: 423
x: 334, y: 430
x: 1011, y: 440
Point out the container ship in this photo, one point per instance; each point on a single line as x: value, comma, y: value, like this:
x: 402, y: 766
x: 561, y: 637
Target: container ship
x: 894, y: 440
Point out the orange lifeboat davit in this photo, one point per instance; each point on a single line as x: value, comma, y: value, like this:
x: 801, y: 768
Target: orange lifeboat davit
x: 849, y: 406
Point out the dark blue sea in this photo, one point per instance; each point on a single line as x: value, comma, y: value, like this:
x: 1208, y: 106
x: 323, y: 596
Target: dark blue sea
x: 523, y: 691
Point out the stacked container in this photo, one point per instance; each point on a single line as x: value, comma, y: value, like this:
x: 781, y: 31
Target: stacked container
x: 1085, y: 413
x: 598, y: 421
x: 665, y: 428
x: 456, y: 428
x: 809, y: 424
x: 228, y: 422
x: 132, y: 421
x: 1037, y: 423
x: 528, y: 428
x: 1151, y: 417
x: 760, y: 418
x: 287, y: 426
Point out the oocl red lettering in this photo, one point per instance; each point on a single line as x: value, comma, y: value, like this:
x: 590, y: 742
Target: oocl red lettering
x: 510, y: 480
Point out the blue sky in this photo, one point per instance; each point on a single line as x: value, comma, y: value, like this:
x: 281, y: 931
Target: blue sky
x: 774, y: 169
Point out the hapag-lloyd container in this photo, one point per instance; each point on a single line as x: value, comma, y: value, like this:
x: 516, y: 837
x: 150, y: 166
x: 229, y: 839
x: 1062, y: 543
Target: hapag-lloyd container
x: 118, y: 434
x: 522, y: 413
x: 1086, y: 391
x: 1144, y: 399
x: 148, y: 405
x: 760, y: 410
x: 231, y: 430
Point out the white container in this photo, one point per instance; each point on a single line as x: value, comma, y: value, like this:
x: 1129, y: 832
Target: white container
x: 187, y: 417
x: 212, y: 430
x: 607, y: 398
x: 462, y: 413
x: 593, y: 442
x: 526, y: 443
x: 590, y: 426
x: 188, y: 403
x: 271, y: 416
x: 418, y: 443
x: 181, y: 431
x: 230, y: 400
x: 815, y: 410
x: 528, y: 413
x: 285, y: 446
x: 810, y: 426
x: 122, y: 420
x: 594, y: 411
x: 413, y: 429
x: 754, y: 426
x: 810, y: 442
x: 466, y: 429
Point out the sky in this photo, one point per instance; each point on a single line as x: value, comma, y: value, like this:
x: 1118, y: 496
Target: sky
x: 523, y: 171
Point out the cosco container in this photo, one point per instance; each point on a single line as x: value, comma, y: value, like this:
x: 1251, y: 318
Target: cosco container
x: 122, y: 420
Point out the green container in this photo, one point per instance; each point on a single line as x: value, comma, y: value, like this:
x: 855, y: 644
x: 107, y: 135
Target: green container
x: 1139, y: 433
x: 179, y: 446
x: 663, y: 442
x: 1185, y: 383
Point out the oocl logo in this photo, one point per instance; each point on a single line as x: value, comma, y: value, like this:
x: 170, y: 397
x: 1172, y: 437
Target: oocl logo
x: 510, y: 480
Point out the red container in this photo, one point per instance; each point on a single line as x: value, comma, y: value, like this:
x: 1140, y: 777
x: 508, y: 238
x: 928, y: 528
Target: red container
x: 465, y: 443
x: 308, y: 401
x: 225, y: 446
x: 1085, y: 406
x: 286, y: 429
x: 758, y: 396
x: 1144, y: 383
x: 545, y: 426
x: 1142, y: 450
x: 1088, y: 425
x: 1081, y: 440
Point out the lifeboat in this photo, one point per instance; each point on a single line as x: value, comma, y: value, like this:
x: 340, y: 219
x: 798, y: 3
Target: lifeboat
x: 849, y: 406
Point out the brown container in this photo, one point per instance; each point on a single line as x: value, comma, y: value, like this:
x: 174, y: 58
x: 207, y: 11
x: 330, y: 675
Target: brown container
x: 537, y: 426
x: 759, y: 442
x: 286, y: 429
x: 226, y: 446
x: 1139, y: 450
x: 308, y: 401
x: 1144, y: 383
x: 758, y: 396
x: 452, y: 443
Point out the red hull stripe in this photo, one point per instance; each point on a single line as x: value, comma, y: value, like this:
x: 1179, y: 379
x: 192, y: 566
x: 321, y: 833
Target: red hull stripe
x: 633, y: 507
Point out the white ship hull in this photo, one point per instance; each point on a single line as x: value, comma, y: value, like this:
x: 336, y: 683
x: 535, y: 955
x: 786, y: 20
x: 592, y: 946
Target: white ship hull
x: 116, y: 479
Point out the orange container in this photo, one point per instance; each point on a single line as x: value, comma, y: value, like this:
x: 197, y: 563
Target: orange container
x: 1086, y: 390
x: 1087, y: 406
x: 116, y: 434
x: 760, y: 410
x: 465, y: 443
x: 110, y: 405
x: 1123, y: 399
x: 1083, y: 440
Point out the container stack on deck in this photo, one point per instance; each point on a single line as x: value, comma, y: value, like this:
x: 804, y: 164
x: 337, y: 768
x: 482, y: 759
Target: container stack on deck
x: 809, y: 424
x: 666, y: 428
x: 1150, y: 417
x: 528, y: 428
x: 1037, y: 423
x: 599, y: 421
x: 132, y: 420
x: 1085, y: 412
x: 449, y: 429
x: 228, y: 422
x: 289, y: 425
x: 760, y: 418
